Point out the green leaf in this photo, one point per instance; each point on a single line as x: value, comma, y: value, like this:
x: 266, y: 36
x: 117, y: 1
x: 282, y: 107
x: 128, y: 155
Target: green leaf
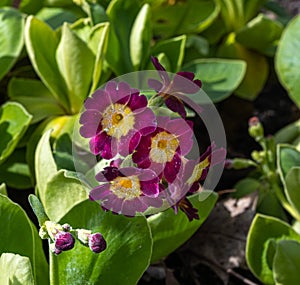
x: 35, y: 97
x: 18, y: 235
x: 264, y: 228
x: 41, y: 43
x: 76, y: 63
x: 245, y: 187
x: 292, y: 189
x: 30, y: 6
x: 11, y: 38
x: 123, y: 262
x: 45, y: 167
x: 289, y: 133
x: 15, y: 171
x: 287, y: 157
x: 140, y: 37
x: 14, y: 121
x: 98, y: 41
x: 220, y: 77
x: 3, y: 189
x: 287, y: 60
x: 267, y: 30
x: 286, y: 265
x: 192, y: 16
x: 257, y: 67
x: 169, y: 231
x: 15, y: 269
x: 173, y: 49
x: 62, y: 194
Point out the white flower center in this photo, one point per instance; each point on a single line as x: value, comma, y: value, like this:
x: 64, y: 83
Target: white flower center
x: 163, y: 147
x: 117, y: 120
x: 126, y: 187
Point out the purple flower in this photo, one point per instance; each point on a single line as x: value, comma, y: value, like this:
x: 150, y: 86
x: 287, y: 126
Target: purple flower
x: 96, y: 242
x: 64, y: 241
x: 162, y: 150
x: 127, y: 190
x: 187, y: 207
x: 182, y: 83
x: 115, y: 119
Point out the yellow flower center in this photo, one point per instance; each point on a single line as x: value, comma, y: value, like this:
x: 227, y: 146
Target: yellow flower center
x: 198, y: 170
x: 117, y: 120
x: 163, y: 147
x: 126, y: 187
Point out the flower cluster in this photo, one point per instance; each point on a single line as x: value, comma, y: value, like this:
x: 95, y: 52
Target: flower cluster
x: 148, y: 153
x: 62, y: 237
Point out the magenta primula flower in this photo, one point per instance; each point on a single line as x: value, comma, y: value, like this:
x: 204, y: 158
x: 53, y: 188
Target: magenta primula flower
x: 162, y: 150
x: 115, y: 119
x: 127, y: 190
x: 192, y: 173
x: 182, y: 83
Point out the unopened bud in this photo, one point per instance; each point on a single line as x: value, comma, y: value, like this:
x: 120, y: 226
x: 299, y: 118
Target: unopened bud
x: 43, y: 233
x: 54, y: 249
x: 97, y: 243
x: 64, y: 241
x: 66, y: 227
x: 255, y: 128
x: 83, y: 235
x: 239, y: 163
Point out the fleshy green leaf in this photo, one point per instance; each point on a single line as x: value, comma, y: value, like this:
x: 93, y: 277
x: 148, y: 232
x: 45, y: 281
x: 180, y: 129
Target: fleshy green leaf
x: 292, y: 189
x: 287, y: 157
x: 45, y: 167
x: 245, y: 187
x: 35, y: 97
x: 264, y: 228
x: 123, y: 262
x: 267, y: 30
x: 220, y: 77
x: 173, y: 49
x: 286, y: 265
x: 41, y: 43
x: 140, y: 38
x: 76, y: 63
x: 182, y: 17
x: 30, y: 6
x: 62, y: 194
x: 257, y: 67
x: 15, y: 269
x: 287, y: 60
x: 18, y: 235
x: 3, y: 189
x: 169, y: 231
x: 11, y: 38
x: 15, y: 171
x: 14, y: 121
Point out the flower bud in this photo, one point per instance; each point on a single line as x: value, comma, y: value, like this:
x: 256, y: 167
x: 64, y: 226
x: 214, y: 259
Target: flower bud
x: 255, y: 128
x: 43, y: 233
x: 53, y: 228
x: 239, y: 163
x: 54, y: 249
x: 64, y: 241
x: 97, y: 243
x: 66, y: 227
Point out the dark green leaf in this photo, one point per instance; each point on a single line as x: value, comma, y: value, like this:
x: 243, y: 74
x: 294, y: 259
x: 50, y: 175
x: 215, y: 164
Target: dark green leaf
x: 169, y: 231
x: 287, y: 157
x: 123, y: 262
x: 245, y: 187
x: 292, y: 189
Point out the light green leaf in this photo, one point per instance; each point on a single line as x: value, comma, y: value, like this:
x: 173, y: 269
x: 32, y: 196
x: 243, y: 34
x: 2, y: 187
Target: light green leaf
x: 18, y: 235
x: 3, y: 189
x: 173, y: 49
x: 182, y: 17
x: 11, y: 38
x: 76, y: 63
x: 292, y: 189
x: 45, y: 167
x: 140, y: 38
x: 98, y: 41
x: 15, y: 269
x: 62, y: 194
x: 35, y: 97
x: 287, y: 157
x: 245, y: 187
x: 286, y: 265
x: 287, y: 60
x: 257, y: 67
x: 289, y: 133
x: 169, y: 231
x: 220, y: 77
x: 14, y: 121
x: 264, y: 228
x: 15, y: 171
x: 267, y: 30
x: 41, y: 43
x: 123, y: 262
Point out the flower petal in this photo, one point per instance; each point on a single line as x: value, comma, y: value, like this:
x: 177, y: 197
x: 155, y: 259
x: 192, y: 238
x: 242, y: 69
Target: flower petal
x: 99, y: 101
x: 183, y: 83
x: 172, y: 168
x: 155, y: 84
x: 176, y: 105
x: 145, y: 121
x: 100, y: 192
x: 98, y: 142
x: 137, y: 102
